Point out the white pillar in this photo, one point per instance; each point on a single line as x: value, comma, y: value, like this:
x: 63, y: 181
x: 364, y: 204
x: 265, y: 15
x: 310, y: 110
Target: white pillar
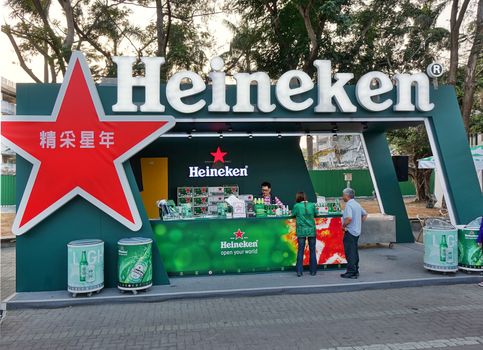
x: 438, y: 189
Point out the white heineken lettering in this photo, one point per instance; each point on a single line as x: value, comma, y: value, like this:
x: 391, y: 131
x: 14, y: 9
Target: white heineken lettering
x: 218, y: 89
x: 404, y: 83
x: 285, y: 91
x: 174, y: 93
x: 125, y: 83
x: 243, y: 83
x: 193, y: 171
x: 365, y: 93
x: 227, y: 171
x: 244, y: 244
x: 329, y: 91
x: 330, y: 95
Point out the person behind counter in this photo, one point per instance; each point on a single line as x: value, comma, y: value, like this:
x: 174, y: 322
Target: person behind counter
x: 352, y: 219
x: 304, y: 213
x: 267, y: 195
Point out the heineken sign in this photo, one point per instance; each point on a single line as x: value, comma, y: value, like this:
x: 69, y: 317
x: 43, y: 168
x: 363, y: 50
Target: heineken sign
x: 216, y: 170
x: 77, y: 150
x: 368, y: 90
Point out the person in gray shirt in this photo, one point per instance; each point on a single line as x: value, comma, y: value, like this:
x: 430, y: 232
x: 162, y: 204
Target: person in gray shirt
x: 352, y: 219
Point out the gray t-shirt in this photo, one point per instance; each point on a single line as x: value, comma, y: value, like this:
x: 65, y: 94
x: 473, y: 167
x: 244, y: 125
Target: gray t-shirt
x: 356, y: 212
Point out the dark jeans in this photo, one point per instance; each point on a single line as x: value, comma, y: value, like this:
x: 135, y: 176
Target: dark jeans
x: 351, y: 252
x: 300, y: 254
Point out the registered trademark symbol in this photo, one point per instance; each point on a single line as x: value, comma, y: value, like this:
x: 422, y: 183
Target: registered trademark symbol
x: 435, y: 70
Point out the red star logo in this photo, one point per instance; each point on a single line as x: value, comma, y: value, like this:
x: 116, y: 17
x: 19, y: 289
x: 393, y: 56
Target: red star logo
x: 219, y: 155
x: 79, y: 151
x: 239, y: 234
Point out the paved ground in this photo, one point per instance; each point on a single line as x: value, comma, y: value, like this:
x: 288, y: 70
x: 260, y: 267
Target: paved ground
x: 408, y: 318
x: 7, y: 271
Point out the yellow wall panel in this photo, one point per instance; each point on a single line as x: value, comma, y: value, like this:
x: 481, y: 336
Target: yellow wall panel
x: 155, y: 183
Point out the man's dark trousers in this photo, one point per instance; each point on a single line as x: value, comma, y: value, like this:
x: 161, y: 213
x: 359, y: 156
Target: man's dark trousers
x: 351, y: 253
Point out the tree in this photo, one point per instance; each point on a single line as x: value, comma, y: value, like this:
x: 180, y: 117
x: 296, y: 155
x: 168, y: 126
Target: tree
x: 471, y: 68
x: 103, y: 29
x: 413, y: 142
x: 384, y: 35
x: 456, y: 19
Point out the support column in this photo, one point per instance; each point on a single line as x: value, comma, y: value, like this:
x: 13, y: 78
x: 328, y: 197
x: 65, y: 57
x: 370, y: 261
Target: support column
x: 386, y: 181
x: 450, y: 147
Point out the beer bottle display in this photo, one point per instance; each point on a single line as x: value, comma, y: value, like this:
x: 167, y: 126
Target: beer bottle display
x: 83, y: 267
x: 443, y: 249
x: 134, y: 263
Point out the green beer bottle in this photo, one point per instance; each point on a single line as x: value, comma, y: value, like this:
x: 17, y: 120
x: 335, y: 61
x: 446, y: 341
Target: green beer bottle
x: 140, y: 268
x: 83, y: 267
x: 443, y: 248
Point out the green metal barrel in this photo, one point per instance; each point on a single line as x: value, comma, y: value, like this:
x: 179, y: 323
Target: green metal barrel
x: 470, y: 257
x: 135, y: 267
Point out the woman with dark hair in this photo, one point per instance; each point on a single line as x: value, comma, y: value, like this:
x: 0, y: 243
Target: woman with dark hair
x: 304, y: 214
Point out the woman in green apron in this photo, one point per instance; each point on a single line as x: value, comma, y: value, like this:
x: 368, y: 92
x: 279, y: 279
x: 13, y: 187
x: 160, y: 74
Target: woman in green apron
x: 304, y: 214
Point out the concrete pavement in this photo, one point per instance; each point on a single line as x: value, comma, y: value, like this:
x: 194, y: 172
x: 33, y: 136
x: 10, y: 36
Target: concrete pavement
x: 406, y: 318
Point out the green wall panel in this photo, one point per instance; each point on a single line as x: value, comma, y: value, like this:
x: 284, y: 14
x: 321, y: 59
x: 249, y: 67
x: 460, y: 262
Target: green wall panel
x: 330, y: 183
x: 278, y: 161
x: 7, y: 190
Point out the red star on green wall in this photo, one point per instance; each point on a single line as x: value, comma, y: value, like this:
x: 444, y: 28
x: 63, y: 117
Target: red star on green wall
x: 219, y: 155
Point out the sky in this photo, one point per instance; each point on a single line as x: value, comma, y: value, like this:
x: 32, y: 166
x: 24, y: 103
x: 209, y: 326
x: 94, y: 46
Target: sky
x: 10, y: 68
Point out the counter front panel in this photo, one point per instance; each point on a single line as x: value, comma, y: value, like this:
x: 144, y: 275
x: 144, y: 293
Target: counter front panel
x: 227, y: 246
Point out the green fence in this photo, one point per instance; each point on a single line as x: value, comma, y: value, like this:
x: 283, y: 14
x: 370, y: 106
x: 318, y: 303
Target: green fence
x: 330, y: 183
x: 7, y: 190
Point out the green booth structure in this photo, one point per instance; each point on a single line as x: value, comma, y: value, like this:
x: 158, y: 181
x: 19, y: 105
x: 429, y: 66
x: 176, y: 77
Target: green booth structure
x: 265, y: 146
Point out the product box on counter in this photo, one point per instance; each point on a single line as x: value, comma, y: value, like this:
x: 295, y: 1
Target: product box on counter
x: 216, y: 199
x: 200, y: 210
x: 229, y: 190
x: 246, y: 197
x: 200, y: 201
x: 185, y: 191
x: 200, y: 191
x: 215, y: 190
x: 185, y: 200
x: 213, y: 209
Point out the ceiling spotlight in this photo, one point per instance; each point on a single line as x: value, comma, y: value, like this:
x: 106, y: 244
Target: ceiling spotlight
x: 190, y: 136
x: 250, y: 135
x: 279, y: 136
x: 335, y: 128
x: 221, y: 135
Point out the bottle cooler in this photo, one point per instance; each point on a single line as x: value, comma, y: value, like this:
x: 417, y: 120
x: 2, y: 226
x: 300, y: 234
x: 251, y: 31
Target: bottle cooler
x: 135, y: 268
x: 440, y: 246
x: 85, y: 266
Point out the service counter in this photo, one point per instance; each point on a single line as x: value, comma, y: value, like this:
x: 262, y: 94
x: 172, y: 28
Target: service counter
x: 226, y: 246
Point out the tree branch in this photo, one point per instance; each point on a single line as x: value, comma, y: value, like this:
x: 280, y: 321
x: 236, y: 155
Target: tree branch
x: 21, y: 60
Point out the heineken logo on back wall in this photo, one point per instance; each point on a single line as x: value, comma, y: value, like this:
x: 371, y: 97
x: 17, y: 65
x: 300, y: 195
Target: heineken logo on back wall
x: 218, y: 167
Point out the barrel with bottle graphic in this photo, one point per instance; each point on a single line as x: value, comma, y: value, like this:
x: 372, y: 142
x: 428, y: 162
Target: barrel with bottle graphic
x: 135, y: 268
x: 470, y: 254
x: 440, y: 250
x: 85, y: 266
